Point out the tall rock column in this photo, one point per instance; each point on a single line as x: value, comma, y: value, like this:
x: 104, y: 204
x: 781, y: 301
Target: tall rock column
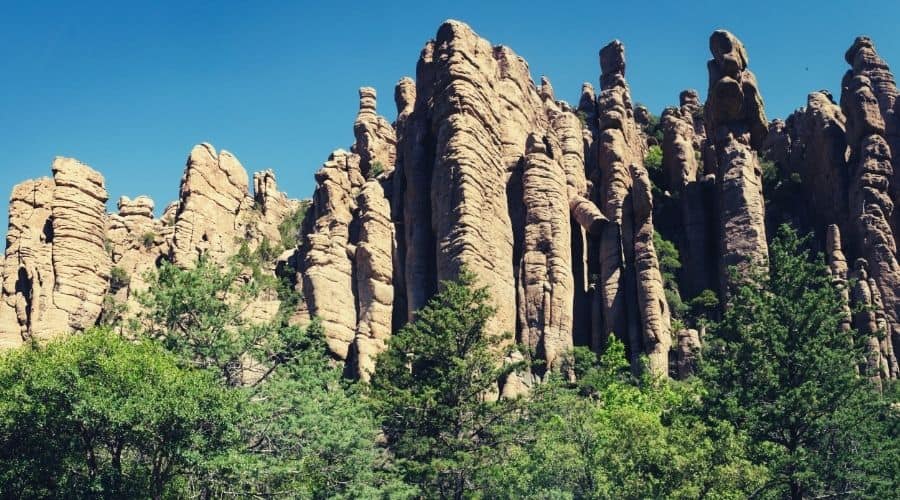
x: 865, y: 61
x: 374, y: 276
x: 736, y: 125
x: 328, y: 252
x: 376, y: 141
x: 546, y: 284
x: 56, y: 268
x: 870, y: 205
x: 633, y: 304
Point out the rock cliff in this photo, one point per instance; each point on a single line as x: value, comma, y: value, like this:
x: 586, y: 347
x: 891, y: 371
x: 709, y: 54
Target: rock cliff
x: 561, y: 211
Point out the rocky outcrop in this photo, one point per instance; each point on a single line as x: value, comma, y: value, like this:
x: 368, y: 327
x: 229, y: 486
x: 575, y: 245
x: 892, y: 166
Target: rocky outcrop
x: 137, y: 244
x: 214, y: 192
x: 736, y: 126
x: 374, y: 272
x: 56, y: 267
x: 328, y: 252
x: 546, y: 286
x: 865, y: 61
x: 632, y: 298
x: 686, y: 352
x: 870, y: 205
x: 376, y: 141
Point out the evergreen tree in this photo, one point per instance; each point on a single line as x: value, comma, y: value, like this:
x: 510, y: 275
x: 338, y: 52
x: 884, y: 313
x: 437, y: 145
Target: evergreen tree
x: 781, y: 369
x: 436, y: 388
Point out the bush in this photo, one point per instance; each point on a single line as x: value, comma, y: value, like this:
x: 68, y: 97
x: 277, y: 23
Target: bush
x: 148, y: 239
x: 97, y: 415
x: 289, y: 229
x: 118, y: 279
x: 375, y: 170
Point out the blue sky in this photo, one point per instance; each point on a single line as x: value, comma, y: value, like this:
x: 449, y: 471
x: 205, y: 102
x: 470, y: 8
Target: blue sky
x: 129, y: 88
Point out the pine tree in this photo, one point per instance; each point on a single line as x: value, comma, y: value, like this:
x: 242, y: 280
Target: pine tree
x: 781, y: 369
x: 434, y: 385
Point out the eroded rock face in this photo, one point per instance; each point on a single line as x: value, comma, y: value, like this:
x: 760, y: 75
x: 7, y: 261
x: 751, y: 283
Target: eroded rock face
x: 736, y: 126
x: 546, y: 285
x: 138, y: 243
x: 56, y: 267
x: 374, y: 272
x: 328, y: 252
x: 870, y: 205
x: 865, y: 61
x: 376, y: 141
x: 214, y: 191
x: 632, y: 298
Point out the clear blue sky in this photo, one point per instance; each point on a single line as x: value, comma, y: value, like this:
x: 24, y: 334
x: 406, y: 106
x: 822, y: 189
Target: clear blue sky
x: 129, y: 87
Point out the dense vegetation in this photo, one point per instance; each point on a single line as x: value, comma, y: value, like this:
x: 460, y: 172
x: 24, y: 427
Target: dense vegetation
x: 191, y: 399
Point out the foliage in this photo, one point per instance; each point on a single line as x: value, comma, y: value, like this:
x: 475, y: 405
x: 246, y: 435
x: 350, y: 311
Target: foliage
x: 780, y: 367
x: 669, y: 264
x: 118, y: 278
x: 375, y: 170
x: 433, y: 387
x: 148, y: 239
x: 610, y: 438
x: 582, y: 118
x: 95, y: 415
x: 704, y: 304
x: 289, y: 229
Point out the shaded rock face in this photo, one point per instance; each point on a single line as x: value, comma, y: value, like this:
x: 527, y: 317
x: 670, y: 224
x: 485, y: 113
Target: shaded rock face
x: 137, y: 244
x: 736, y: 126
x: 870, y: 204
x: 865, y: 61
x: 56, y: 267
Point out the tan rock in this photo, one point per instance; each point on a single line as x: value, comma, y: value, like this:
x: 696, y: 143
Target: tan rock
x: 56, y: 266
x: 376, y: 141
x: 374, y: 276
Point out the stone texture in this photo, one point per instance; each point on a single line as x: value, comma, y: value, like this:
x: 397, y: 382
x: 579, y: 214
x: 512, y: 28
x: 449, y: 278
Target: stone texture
x: 686, y: 353
x: 736, y: 125
x: 376, y: 141
x: 56, y: 267
x: 632, y: 298
x: 546, y: 285
x: 870, y: 205
x: 374, y: 276
x: 328, y: 252
x: 214, y: 191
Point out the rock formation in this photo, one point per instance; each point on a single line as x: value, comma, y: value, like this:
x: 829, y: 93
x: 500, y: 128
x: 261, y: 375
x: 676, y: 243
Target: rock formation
x: 870, y: 205
x: 550, y: 205
x: 736, y: 126
x: 631, y: 291
x: 56, y: 267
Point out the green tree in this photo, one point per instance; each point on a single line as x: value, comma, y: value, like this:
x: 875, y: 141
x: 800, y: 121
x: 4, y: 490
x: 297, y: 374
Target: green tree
x: 305, y: 432
x: 436, y: 389
x: 609, y: 437
x: 201, y: 315
x: 780, y: 367
x: 95, y: 415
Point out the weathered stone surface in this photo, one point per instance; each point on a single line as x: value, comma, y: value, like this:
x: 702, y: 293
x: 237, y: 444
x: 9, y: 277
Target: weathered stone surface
x: 328, y: 252
x: 686, y: 353
x: 214, y: 191
x: 546, y: 286
x: 376, y: 141
x: 870, y: 205
x: 736, y: 125
x: 632, y: 298
x: 137, y: 244
x: 56, y: 267
x: 374, y: 276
